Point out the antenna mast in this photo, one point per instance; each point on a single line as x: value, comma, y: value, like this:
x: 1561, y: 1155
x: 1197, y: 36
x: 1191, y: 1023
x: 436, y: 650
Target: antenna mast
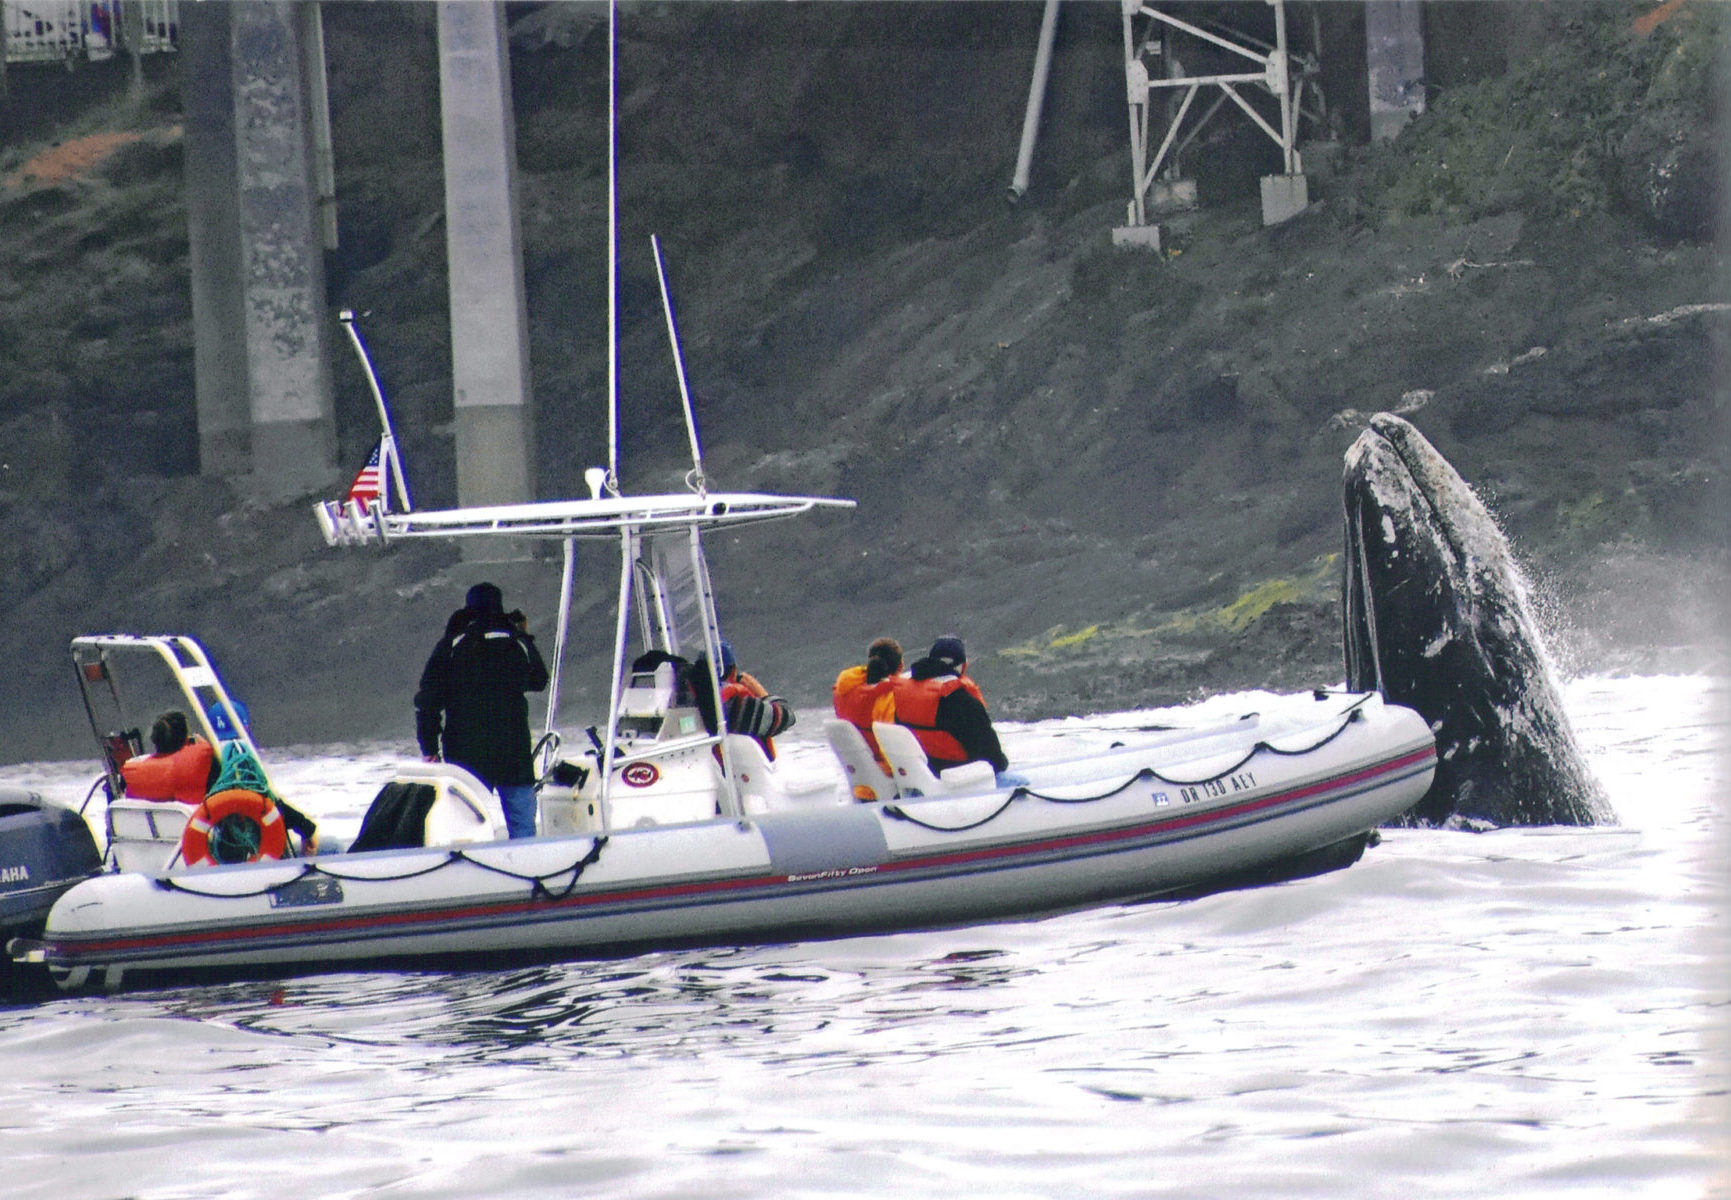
x: 698, y: 483
x: 612, y: 248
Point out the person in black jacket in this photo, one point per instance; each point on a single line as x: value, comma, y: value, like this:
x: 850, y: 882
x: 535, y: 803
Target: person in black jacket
x: 942, y: 704
x: 471, y: 708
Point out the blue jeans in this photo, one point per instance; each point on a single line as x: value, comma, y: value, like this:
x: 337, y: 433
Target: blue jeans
x: 518, y: 800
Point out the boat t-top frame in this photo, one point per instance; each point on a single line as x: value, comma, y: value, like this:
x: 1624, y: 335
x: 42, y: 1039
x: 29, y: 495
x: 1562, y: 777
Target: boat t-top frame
x: 93, y: 658
x: 663, y: 577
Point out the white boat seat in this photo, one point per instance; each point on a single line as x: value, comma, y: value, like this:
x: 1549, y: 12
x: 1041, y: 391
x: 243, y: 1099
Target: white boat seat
x: 866, y: 778
x: 913, y: 774
x: 759, y: 790
x: 144, y: 835
x: 464, y: 809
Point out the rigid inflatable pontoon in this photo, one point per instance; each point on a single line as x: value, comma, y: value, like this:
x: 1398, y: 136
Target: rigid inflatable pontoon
x: 662, y: 831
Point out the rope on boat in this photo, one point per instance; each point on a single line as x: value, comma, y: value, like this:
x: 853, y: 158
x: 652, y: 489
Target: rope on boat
x: 538, y: 888
x: 174, y: 885
x: 315, y: 869
x: 101, y: 780
x: 901, y: 814
x: 1352, y: 715
x: 1144, y: 773
x: 898, y: 813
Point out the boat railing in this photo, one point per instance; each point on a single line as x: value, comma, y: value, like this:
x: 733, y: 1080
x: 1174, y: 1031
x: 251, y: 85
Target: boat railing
x: 663, y: 749
x: 210, y: 707
x: 349, y: 524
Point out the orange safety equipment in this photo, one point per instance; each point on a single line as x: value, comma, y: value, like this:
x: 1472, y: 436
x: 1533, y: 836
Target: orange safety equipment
x: 182, y: 775
x: 860, y: 703
x: 917, y: 707
x: 241, y: 821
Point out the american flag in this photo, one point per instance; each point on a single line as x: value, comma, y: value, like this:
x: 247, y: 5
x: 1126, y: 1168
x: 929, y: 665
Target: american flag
x: 368, y: 484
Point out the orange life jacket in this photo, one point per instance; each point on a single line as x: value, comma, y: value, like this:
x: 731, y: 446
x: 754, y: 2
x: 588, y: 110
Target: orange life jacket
x: 183, y: 775
x: 917, y: 707
x: 860, y: 703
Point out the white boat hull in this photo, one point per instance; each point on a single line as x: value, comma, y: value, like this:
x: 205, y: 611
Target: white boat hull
x: 1130, y: 824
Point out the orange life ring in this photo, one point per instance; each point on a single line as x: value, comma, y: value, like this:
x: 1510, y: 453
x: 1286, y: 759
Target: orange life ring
x: 246, y: 825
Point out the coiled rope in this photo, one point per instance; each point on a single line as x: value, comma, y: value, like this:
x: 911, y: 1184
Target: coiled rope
x: 241, y: 772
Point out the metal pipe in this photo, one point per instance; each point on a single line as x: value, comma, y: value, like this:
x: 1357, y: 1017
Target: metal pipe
x: 732, y: 804
x: 1135, y: 82
x: 701, y: 485
x: 1283, y: 73
x: 1193, y: 31
x: 1200, y: 125
x: 612, y: 248
x: 1166, y: 143
x: 389, y: 461
x: 627, y: 561
x: 1189, y: 80
x: 567, y: 574
x: 1036, y: 100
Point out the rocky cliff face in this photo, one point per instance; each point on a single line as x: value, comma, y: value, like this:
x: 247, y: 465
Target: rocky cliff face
x: 1115, y: 473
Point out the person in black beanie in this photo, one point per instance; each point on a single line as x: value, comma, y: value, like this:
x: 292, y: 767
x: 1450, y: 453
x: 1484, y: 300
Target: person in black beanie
x: 941, y: 703
x: 471, y: 708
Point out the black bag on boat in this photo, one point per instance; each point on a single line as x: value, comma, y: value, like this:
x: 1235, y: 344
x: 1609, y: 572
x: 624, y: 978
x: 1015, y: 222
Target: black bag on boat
x: 396, y: 818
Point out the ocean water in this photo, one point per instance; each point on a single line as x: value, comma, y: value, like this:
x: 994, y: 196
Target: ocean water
x: 1519, y: 1013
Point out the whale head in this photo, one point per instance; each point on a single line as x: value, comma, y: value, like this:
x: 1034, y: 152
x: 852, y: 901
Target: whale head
x: 1437, y: 618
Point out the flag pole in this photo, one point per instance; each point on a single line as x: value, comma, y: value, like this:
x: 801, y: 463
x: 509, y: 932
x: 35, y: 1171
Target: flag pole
x: 390, y: 464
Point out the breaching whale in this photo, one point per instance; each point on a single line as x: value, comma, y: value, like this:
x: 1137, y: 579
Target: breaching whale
x: 1437, y: 619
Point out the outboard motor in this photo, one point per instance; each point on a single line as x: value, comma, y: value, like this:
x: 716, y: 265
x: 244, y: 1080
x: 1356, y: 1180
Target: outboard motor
x: 44, y: 850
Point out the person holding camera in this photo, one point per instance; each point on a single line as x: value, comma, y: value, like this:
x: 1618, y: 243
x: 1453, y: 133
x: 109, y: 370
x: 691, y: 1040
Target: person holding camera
x: 471, y: 708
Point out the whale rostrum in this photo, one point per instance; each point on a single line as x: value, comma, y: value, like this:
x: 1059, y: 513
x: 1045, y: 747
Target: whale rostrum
x: 1437, y: 618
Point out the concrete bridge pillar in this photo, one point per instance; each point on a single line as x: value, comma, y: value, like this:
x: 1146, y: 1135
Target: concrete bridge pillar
x: 489, y: 312
x: 263, y: 384
x: 1394, y: 52
x: 213, y: 243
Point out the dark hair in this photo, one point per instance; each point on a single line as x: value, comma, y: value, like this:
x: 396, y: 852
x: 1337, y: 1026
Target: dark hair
x: 883, y: 659
x: 168, y: 734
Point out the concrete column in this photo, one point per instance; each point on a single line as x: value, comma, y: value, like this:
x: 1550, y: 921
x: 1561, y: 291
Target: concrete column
x: 260, y: 358
x: 213, y: 235
x: 282, y: 264
x: 1394, y: 52
x: 489, y: 312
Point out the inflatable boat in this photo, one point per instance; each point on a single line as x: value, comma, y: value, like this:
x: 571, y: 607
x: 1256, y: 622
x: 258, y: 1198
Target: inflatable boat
x: 665, y: 830
x: 628, y: 867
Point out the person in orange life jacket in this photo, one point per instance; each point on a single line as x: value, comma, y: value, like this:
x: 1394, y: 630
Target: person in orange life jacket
x: 866, y: 692
x: 471, y: 708
x: 944, y: 708
x: 182, y: 766
x: 179, y: 767
x: 748, y: 706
